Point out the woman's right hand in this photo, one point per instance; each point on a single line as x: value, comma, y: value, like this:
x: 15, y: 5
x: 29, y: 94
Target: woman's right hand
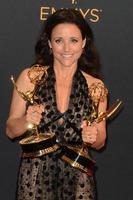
x: 34, y: 114
x: 19, y: 118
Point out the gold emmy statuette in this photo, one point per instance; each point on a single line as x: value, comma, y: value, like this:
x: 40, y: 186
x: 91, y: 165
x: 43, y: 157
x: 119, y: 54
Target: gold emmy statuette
x: 78, y: 157
x: 37, y: 144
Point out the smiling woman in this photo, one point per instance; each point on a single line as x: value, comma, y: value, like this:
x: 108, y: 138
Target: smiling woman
x: 67, y: 45
x: 66, y: 51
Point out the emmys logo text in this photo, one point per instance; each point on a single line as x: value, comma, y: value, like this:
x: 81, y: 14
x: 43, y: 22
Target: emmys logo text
x: 90, y: 14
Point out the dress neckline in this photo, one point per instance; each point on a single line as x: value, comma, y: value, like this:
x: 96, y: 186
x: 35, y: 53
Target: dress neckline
x: 71, y: 92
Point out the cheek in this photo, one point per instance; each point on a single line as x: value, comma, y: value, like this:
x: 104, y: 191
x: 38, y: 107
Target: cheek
x: 78, y: 48
x: 79, y: 51
x: 56, y: 48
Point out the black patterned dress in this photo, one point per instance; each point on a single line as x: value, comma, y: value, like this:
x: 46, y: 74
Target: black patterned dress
x: 48, y: 177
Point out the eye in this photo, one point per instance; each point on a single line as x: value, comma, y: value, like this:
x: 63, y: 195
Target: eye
x: 73, y: 40
x: 58, y: 40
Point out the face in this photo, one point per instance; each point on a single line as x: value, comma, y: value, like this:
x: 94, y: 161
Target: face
x: 67, y: 44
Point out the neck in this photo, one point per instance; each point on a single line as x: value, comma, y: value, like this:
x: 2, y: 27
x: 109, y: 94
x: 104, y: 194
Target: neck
x: 65, y: 72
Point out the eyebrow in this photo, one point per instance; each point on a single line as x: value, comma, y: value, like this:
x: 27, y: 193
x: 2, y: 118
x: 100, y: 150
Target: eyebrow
x: 57, y: 37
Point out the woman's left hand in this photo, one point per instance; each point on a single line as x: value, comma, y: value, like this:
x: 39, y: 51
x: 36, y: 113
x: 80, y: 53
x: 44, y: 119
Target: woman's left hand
x: 89, y: 133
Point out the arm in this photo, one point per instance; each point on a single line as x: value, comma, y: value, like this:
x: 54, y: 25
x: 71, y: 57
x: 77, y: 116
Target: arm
x: 18, y: 117
x: 95, y: 134
x: 100, y: 127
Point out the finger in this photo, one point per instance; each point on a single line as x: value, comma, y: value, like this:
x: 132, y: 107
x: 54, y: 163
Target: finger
x: 31, y: 109
x: 90, y: 139
x: 42, y: 107
x: 37, y: 108
x: 94, y: 124
x: 34, y: 116
x: 84, y: 124
x: 33, y: 120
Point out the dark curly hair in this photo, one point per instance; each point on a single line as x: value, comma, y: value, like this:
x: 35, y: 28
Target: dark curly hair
x: 89, y: 60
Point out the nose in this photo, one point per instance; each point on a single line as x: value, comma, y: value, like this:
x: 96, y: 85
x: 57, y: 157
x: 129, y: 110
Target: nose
x: 66, y: 46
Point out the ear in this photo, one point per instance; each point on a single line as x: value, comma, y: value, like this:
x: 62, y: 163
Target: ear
x: 84, y: 42
x: 49, y: 43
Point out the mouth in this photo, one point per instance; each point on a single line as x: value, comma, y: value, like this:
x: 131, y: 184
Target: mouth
x: 66, y: 55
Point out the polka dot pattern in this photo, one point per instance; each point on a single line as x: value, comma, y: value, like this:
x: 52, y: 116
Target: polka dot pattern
x: 48, y: 177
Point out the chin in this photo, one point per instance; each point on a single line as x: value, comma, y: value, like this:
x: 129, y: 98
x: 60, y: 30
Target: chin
x: 69, y: 64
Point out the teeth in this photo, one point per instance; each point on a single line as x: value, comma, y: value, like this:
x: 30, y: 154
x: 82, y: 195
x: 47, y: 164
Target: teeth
x: 67, y: 56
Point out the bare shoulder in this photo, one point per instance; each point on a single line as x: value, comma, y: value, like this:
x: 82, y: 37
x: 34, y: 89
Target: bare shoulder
x: 91, y: 80
x: 23, y: 82
x: 97, y: 88
x: 31, y: 76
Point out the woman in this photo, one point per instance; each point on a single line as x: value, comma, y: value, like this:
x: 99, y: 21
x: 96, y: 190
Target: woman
x: 66, y: 46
